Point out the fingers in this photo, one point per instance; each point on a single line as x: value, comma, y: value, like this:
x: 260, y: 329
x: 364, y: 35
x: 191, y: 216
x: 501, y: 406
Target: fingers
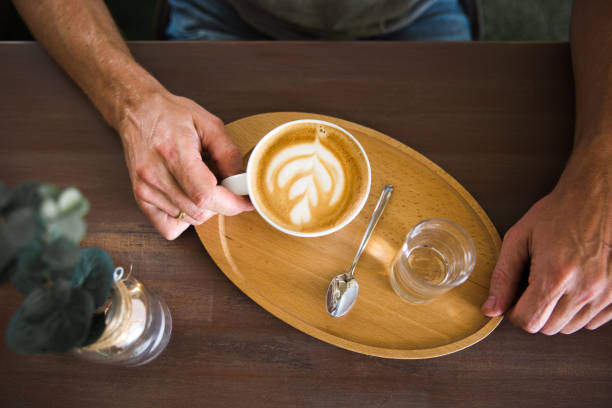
x: 591, y: 315
x: 534, y: 307
x: 168, y: 226
x: 580, y: 319
x: 217, y: 142
x: 564, y: 311
x: 575, y: 309
x: 225, y: 202
x: 159, y: 178
x: 198, y: 182
x: 513, y: 256
x: 600, y: 319
x: 158, y: 199
x: 563, y: 301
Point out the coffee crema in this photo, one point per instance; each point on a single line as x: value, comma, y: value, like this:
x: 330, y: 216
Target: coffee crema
x: 309, y: 177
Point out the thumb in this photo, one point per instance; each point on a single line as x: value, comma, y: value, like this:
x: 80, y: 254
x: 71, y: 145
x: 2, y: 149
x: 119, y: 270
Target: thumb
x: 506, y: 276
x: 224, y: 202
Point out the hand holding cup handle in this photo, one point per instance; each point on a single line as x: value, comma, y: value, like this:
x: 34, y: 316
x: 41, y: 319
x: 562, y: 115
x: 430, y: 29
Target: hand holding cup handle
x: 237, y: 184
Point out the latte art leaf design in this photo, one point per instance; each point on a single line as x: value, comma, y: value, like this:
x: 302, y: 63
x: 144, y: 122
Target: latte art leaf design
x: 309, y: 175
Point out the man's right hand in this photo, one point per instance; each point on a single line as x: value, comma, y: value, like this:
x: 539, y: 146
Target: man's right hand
x: 164, y: 138
x: 163, y: 135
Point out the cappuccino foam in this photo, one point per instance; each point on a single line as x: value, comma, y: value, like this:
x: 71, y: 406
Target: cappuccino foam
x: 309, y: 177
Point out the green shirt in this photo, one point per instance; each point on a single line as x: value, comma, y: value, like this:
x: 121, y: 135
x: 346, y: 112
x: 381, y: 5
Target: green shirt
x: 329, y: 19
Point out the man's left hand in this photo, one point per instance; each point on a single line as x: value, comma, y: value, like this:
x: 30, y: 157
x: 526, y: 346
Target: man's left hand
x: 566, y: 239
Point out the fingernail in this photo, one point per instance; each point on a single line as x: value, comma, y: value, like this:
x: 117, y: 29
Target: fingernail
x: 489, y: 304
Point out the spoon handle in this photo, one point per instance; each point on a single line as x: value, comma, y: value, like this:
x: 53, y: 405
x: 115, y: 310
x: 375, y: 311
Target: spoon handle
x: 382, y: 202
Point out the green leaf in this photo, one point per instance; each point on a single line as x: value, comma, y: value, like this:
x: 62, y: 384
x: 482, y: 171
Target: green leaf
x: 64, y: 214
x: 94, y: 273
x: 48, y: 191
x: 57, y: 321
x: 42, y: 263
x: 98, y: 324
x: 16, y: 231
x: 41, y: 301
x: 49, y: 209
x: 32, y: 272
x: 61, y: 254
x: 72, y: 201
x: 5, y: 196
x: 8, y: 271
x: 19, y: 227
x: 68, y: 226
x: 24, y: 195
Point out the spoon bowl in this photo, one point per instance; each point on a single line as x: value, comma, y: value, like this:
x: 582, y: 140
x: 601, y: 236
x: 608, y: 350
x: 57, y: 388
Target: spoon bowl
x: 341, y: 294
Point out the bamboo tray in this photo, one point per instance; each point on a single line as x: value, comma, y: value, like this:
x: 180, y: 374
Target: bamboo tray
x: 288, y: 276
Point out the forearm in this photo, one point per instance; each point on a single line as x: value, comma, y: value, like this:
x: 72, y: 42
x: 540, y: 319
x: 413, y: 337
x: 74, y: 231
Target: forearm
x: 591, y: 47
x: 82, y: 37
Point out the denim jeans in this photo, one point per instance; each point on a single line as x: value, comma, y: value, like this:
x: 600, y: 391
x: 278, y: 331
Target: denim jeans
x: 216, y: 20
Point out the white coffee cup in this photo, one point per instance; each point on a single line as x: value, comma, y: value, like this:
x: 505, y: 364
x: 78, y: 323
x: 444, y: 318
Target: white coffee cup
x: 241, y: 184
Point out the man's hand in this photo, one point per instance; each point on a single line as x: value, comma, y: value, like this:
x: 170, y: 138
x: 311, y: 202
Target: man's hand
x: 163, y: 135
x: 566, y: 239
x: 164, y: 139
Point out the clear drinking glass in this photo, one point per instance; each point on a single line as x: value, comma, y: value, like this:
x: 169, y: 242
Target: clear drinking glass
x: 138, y: 326
x: 436, y: 256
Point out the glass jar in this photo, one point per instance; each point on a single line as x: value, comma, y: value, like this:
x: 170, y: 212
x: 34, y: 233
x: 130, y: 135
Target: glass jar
x: 138, y: 325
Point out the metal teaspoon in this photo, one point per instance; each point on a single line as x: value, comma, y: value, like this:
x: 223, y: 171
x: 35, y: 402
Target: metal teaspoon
x: 343, y: 289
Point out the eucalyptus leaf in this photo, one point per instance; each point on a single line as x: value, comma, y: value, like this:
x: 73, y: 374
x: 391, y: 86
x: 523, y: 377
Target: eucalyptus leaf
x: 49, y: 209
x: 42, y: 263
x: 42, y: 300
x: 49, y: 323
x: 79, y: 209
x: 61, y: 254
x: 98, y: 324
x: 19, y: 227
x: 7, y: 259
x: 16, y: 231
x: 69, y: 226
x: 48, y: 191
x: 8, y: 271
x: 69, y: 203
x: 94, y: 273
x: 5, y: 196
x: 71, y: 200
x: 24, y: 195
x: 32, y: 272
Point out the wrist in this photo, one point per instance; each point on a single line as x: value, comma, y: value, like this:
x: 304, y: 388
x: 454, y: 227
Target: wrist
x: 133, y: 99
x: 589, y: 167
x: 593, y: 150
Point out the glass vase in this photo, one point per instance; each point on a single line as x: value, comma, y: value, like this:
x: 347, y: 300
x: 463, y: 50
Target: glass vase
x: 138, y: 326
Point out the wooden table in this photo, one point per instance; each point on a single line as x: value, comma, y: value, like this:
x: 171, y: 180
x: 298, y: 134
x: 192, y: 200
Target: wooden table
x: 498, y: 117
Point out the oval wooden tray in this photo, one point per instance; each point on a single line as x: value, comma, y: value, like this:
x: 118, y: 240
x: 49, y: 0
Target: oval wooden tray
x: 288, y: 276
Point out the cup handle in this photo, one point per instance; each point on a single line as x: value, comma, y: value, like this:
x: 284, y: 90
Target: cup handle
x: 237, y: 184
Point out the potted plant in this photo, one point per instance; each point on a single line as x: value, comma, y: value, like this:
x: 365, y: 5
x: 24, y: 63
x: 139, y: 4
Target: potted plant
x: 40, y: 231
x: 74, y: 300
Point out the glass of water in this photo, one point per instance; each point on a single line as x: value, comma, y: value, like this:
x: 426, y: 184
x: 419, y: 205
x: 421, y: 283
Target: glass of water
x: 436, y: 256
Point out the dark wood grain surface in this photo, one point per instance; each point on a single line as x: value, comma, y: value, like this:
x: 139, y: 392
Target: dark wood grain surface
x: 498, y: 117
